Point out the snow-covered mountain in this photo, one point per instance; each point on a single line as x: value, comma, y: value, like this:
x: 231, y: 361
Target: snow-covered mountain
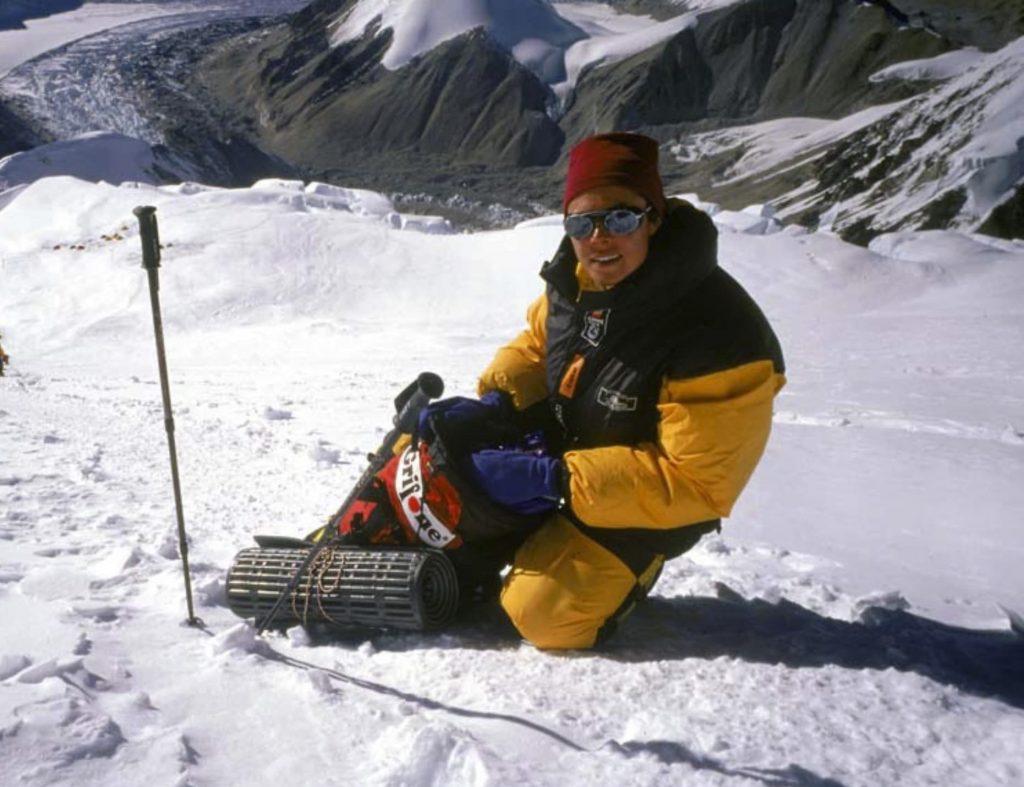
x: 368, y: 87
x: 840, y: 113
x: 531, y: 30
x: 951, y: 157
x: 843, y: 629
x: 99, y: 156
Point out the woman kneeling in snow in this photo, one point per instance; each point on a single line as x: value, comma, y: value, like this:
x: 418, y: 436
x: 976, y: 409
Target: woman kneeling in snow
x: 612, y: 433
x: 654, y: 372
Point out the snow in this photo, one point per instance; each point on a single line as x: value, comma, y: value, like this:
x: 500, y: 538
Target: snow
x: 530, y: 29
x: 557, y: 41
x: 848, y: 627
x: 618, y: 43
x: 770, y: 144
x: 95, y: 156
x: 944, y: 66
x: 748, y: 221
x: 967, y: 133
x: 818, y: 640
x: 50, y: 32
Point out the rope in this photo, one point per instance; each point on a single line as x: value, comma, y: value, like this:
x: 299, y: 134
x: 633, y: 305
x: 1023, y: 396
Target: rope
x: 317, y: 578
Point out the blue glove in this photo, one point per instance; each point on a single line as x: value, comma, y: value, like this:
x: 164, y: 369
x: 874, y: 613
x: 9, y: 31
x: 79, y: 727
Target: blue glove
x: 462, y: 411
x: 523, y: 481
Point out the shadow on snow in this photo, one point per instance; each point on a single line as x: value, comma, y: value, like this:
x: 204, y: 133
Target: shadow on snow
x: 979, y: 662
x: 984, y: 663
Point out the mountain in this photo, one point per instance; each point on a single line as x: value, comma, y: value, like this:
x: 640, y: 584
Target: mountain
x: 334, y: 105
x: 952, y: 156
x: 484, y: 96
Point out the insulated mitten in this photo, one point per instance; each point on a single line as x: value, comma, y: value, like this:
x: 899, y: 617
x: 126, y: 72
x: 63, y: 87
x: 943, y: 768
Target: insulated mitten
x: 523, y: 481
x: 462, y: 412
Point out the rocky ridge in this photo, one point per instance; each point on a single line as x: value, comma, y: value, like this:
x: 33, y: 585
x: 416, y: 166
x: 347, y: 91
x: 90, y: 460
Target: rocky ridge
x: 468, y: 130
x: 467, y: 118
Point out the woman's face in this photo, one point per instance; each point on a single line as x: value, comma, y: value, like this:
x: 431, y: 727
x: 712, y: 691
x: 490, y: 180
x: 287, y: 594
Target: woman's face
x: 609, y: 259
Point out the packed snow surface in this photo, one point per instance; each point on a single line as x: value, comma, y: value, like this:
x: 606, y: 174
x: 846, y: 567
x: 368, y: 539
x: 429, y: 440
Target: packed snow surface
x: 843, y: 629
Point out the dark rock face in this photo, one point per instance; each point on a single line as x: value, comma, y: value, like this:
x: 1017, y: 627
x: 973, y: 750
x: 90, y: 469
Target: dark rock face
x: 748, y: 62
x: 15, y: 134
x: 1007, y: 220
x: 467, y: 101
x: 467, y: 118
x: 827, y: 54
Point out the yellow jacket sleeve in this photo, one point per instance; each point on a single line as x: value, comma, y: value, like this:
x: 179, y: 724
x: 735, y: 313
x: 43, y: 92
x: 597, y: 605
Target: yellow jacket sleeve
x: 712, y: 431
x: 518, y: 367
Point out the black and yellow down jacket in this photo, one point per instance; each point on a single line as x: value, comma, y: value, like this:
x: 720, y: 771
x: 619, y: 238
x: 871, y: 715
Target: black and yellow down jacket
x: 663, y: 384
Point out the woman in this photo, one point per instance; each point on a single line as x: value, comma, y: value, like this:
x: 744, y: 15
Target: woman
x: 660, y: 372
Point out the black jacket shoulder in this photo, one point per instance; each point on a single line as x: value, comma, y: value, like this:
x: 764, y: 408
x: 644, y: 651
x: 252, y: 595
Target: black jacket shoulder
x: 721, y: 327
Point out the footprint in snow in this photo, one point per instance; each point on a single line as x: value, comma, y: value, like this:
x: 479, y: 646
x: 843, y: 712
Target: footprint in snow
x: 323, y: 454
x: 51, y: 735
x: 84, y: 645
x: 91, y: 467
x: 12, y: 663
x: 99, y: 613
x: 273, y: 414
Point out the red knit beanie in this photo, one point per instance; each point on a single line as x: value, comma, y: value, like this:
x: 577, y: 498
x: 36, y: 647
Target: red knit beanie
x: 619, y: 159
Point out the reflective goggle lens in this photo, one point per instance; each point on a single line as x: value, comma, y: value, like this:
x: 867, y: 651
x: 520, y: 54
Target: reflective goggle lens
x: 620, y: 221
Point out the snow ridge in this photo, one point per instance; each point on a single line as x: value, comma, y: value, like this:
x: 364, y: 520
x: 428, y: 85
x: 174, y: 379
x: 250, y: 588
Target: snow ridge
x: 529, y: 29
x: 555, y: 41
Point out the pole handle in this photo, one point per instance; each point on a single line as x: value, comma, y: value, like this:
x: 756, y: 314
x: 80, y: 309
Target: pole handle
x: 146, y: 214
x: 427, y: 386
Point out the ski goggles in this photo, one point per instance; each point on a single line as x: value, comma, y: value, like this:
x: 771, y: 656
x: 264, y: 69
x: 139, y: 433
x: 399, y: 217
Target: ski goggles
x: 617, y: 221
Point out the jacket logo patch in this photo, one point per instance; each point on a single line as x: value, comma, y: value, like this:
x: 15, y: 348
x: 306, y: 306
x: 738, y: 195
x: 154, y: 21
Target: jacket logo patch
x: 615, y: 401
x: 595, y: 325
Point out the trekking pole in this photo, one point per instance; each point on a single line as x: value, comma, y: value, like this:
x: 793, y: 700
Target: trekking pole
x: 146, y: 215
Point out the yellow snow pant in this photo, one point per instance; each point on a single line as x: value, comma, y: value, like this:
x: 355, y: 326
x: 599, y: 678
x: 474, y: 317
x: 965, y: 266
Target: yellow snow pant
x: 564, y: 587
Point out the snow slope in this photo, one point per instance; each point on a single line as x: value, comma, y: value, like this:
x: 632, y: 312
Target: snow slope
x: 951, y: 154
x: 94, y: 156
x: 530, y: 29
x: 944, y: 66
x: 556, y: 41
x: 818, y: 641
